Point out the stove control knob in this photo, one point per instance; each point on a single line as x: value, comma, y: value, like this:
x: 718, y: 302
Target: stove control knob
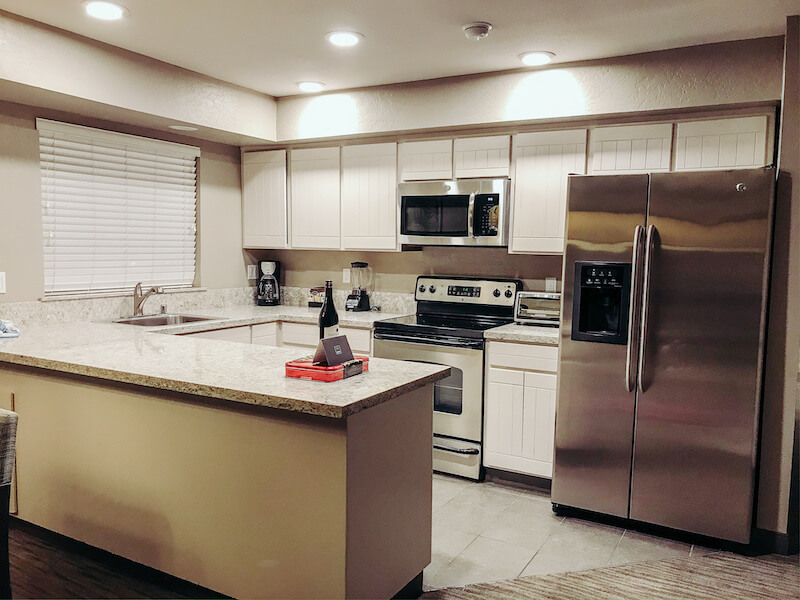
x: 509, y: 293
x: 432, y: 289
x: 496, y: 293
x: 422, y: 288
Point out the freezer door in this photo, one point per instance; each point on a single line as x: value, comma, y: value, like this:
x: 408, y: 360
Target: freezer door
x: 700, y: 373
x: 594, y: 414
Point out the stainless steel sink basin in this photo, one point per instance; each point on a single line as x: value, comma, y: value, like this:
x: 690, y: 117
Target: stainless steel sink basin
x: 164, y: 319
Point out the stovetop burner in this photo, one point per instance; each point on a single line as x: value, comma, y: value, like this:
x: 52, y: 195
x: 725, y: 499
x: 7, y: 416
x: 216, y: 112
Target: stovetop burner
x: 453, y: 308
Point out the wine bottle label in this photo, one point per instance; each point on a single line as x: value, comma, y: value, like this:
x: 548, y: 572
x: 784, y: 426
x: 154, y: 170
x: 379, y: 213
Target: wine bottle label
x: 330, y: 331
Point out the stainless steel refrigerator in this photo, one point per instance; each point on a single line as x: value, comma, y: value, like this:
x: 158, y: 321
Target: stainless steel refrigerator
x: 661, y: 350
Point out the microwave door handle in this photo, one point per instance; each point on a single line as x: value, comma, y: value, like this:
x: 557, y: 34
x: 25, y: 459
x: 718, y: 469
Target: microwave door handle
x: 633, y: 312
x: 471, y: 215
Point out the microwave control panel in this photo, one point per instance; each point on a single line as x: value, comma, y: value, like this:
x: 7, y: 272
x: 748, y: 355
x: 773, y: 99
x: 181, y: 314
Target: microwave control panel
x: 472, y: 291
x: 486, y: 219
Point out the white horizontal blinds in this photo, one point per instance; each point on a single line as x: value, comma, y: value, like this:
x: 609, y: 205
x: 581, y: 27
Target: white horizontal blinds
x: 116, y: 209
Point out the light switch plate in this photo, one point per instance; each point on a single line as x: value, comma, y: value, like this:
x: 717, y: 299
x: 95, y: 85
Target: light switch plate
x: 251, y: 272
x: 345, y: 275
x: 550, y: 284
x: 2, y: 283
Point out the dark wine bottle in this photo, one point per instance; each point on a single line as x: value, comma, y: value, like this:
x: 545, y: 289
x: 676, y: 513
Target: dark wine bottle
x: 328, y: 319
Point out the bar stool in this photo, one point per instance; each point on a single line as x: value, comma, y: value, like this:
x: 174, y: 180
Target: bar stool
x: 8, y: 439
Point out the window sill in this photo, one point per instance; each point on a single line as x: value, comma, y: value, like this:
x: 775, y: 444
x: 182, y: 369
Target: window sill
x: 93, y: 295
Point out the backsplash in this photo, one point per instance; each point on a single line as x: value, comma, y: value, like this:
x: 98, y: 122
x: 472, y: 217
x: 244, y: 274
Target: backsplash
x: 194, y: 302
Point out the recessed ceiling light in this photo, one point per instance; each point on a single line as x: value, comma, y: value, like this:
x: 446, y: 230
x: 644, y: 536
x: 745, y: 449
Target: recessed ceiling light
x: 182, y: 127
x: 536, y: 59
x: 344, y: 38
x: 310, y: 86
x: 107, y: 11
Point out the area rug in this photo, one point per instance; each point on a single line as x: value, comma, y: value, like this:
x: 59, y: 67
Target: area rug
x: 718, y: 576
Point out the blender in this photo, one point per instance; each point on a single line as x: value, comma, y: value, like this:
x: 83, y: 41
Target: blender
x: 361, y: 276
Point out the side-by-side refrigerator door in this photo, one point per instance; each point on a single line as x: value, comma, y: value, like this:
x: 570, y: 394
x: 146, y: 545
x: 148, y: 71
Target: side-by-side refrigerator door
x: 702, y: 344
x: 597, y: 360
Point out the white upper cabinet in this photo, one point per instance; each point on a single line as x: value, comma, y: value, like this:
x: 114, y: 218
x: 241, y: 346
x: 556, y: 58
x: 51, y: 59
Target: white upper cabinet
x: 264, y: 199
x: 426, y: 160
x: 482, y: 156
x: 542, y: 161
x: 315, y: 214
x: 722, y: 144
x: 630, y: 149
x: 369, y: 197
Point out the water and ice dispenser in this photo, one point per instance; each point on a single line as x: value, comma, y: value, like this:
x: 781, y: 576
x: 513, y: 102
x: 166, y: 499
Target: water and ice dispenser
x: 601, y: 302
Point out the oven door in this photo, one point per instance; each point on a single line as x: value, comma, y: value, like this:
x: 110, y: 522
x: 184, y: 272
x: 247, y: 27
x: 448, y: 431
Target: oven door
x: 457, y: 399
x: 457, y: 402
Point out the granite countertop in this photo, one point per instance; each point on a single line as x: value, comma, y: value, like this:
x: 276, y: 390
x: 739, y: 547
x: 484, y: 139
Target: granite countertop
x: 529, y: 334
x: 249, y: 374
x: 241, y: 315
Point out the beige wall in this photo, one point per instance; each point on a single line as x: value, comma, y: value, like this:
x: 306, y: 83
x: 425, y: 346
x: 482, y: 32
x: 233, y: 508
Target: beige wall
x: 397, y: 271
x: 712, y: 75
x: 39, y: 58
x: 221, y: 260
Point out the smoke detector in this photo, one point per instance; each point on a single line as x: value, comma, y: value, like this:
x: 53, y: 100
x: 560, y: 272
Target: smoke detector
x: 477, y: 31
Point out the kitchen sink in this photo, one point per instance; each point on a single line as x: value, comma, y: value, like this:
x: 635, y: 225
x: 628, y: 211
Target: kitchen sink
x: 164, y: 319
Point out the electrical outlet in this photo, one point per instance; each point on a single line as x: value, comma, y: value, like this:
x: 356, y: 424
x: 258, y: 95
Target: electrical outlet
x: 345, y: 275
x: 550, y: 284
x: 252, y: 273
x: 2, y: 283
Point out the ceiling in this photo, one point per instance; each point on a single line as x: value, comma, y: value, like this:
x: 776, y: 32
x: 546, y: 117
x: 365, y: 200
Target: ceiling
x: 270, y: 45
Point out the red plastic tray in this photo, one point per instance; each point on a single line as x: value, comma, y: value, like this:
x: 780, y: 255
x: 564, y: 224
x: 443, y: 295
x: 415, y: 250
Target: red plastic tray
x: 305, y: 369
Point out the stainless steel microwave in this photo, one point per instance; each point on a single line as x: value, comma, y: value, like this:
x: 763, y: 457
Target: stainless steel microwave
x: 463, y: 212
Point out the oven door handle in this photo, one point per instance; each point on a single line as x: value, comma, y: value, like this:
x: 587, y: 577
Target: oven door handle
x: 456, y: 450
x: 474, y: 344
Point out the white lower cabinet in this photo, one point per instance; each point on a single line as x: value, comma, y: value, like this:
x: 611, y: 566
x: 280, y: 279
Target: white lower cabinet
x: 230, y: 334
x: 520, y: 408
x: 304, y: 335
x: 265, y: 334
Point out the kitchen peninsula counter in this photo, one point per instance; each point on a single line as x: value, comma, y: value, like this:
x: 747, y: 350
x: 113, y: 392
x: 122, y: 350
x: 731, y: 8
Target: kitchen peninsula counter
x: 197, y: 457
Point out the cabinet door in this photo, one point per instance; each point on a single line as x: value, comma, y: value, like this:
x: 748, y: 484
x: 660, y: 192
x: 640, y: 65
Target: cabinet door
x: 539, y: 423
x: 722, y: 144
x: 482, y: 156
x: 630, y: 149
x: 542, y: 161
x: 360, y: 340
x: 432, y: 159
x: 303, y: 335
x: 369, y: 197
x: 264, y: 199
x: 520, y: 421
x: 315, y: 198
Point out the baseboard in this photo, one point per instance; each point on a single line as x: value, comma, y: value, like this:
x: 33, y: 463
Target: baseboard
x: 772, y: 542
x: 540, y: 484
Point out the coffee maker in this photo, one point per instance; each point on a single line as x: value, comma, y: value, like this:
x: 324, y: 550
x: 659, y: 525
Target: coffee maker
x: 269, y: 290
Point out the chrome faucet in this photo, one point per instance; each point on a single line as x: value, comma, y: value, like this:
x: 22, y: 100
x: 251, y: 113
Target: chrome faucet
x: 139, y: 297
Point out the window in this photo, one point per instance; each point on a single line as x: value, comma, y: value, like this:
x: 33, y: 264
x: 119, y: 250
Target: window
x: 116, y: 209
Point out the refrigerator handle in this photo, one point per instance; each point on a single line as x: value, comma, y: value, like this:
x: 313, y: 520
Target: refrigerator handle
x: 633, y: 313
x: 652, y: 232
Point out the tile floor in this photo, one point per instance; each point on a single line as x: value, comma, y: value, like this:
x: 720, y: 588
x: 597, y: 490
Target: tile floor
x: 488, y: 531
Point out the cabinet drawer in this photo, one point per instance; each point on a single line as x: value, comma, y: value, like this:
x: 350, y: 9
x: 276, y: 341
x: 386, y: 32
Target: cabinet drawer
x: 264, y: 329
x: 231, y: 334
x: 542, y: 381
x: 531, y: 357
x: 360, y: 340
x: 494, y: 375
x: 300, y: 334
